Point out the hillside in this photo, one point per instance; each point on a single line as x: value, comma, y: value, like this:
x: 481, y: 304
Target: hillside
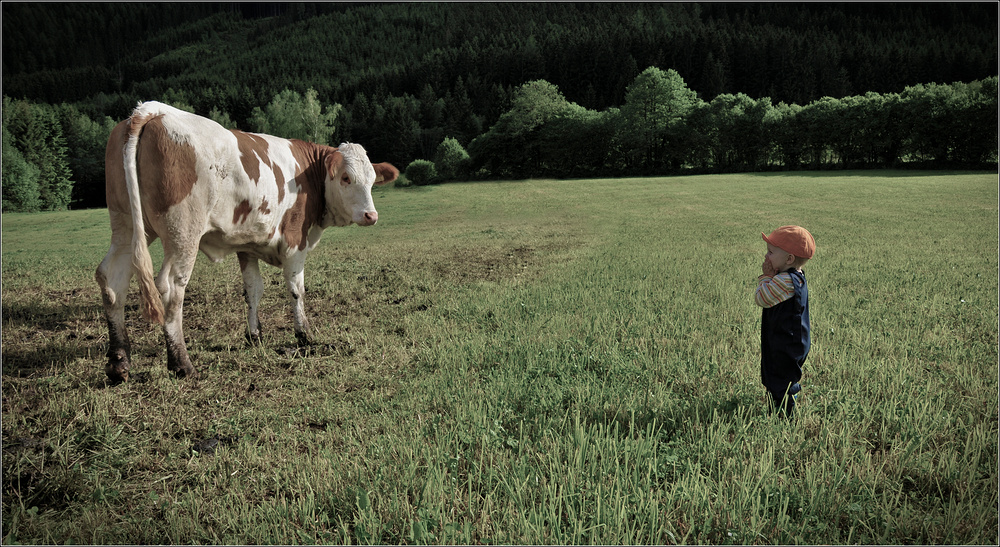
x: 111, y: 55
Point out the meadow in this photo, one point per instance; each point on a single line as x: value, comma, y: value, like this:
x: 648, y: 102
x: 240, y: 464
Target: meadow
x: 532, y: 362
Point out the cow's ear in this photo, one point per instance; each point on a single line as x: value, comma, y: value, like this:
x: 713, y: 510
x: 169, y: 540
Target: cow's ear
x: 334, y: 167
x: 385, y: 173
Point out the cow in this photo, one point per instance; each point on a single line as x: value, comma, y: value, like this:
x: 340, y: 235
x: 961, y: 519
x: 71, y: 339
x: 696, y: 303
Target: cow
x: 193, y: 184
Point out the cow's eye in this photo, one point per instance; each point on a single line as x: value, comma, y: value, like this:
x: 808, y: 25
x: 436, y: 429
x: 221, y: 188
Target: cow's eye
x: 346, y: 179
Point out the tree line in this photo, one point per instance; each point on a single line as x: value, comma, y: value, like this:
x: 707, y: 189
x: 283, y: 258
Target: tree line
x: 663, y: 127
x: 53, y: 154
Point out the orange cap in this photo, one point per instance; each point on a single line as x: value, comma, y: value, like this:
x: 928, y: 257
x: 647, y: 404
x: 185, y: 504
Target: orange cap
x: 792, y: 239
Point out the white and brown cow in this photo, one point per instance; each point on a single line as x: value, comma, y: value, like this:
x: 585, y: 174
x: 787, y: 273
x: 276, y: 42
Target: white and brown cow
x: 196, y: 185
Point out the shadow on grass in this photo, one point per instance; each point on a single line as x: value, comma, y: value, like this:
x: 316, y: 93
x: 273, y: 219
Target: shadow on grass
x: 52, y: 314
x: 38, y: 336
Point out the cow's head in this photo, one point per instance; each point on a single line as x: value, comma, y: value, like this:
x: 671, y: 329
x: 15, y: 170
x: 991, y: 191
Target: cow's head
x: 350, y: 177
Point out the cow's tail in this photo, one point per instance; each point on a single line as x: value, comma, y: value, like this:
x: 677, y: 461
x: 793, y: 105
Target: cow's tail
x: 142, y: 263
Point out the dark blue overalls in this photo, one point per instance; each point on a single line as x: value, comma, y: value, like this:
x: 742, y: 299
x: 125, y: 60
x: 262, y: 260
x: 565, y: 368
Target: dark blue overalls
x: 784, y: 343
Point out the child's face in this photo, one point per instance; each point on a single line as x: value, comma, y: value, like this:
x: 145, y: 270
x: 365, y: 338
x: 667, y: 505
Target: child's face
x: 779, y: 259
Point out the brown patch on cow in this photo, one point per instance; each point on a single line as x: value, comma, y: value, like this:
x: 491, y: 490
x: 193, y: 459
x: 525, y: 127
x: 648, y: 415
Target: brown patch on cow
x: 242, y: 212
x: 298, y: 220
x: 310, y: 201
x: 333, y: 162
x: 264, y: 207
x: 149, y: 158
x: 251, y: 147
x: 167, y: 169
x: 279, y: 179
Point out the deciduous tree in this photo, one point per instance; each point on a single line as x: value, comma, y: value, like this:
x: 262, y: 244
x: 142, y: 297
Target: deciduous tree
x: 293, y: 116
x: 654, y: 116
x: 451, y: 160
x: 511, y: 147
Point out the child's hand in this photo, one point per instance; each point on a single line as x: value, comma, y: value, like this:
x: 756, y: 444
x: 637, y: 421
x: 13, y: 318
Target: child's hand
x: 767, y: 269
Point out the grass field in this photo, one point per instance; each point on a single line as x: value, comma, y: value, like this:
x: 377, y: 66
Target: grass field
x: 536, y: 362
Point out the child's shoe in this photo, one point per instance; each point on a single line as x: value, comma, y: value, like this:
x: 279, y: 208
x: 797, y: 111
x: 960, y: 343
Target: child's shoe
x: 784, y: 404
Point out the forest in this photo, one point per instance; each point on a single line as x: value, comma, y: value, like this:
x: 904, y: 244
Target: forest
x: 464, y: 91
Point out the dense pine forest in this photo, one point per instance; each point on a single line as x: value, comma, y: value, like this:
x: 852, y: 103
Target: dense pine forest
x: 454, y: 91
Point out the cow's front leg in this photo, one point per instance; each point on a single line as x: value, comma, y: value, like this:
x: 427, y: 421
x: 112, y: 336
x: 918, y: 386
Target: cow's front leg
x: 171, y: 282
x: 295, y: 280
x: 253, y: 289
x: 113, y: 277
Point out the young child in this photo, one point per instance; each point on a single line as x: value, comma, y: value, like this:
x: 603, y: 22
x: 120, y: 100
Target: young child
x: 784, y: 324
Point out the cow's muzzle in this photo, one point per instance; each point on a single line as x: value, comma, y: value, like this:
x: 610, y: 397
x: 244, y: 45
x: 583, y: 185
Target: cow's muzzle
x: 368, y: 219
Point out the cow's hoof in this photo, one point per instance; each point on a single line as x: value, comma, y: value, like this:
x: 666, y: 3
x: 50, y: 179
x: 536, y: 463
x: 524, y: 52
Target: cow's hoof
x: 186, y: 371
x: 303, y: 339
x: 254, y: 338
x: 117, y: 370
x: 116, y: 375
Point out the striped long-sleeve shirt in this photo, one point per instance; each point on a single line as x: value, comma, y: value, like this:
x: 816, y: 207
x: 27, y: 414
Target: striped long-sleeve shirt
x: 772, y: 291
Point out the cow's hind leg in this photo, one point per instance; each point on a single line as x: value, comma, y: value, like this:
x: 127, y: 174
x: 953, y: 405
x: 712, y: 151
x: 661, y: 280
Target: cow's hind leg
x: 253, y: 289
x: 113, y: 276
x: 171, y: 282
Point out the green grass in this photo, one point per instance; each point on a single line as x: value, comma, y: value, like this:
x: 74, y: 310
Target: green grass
x: 534, y: 362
